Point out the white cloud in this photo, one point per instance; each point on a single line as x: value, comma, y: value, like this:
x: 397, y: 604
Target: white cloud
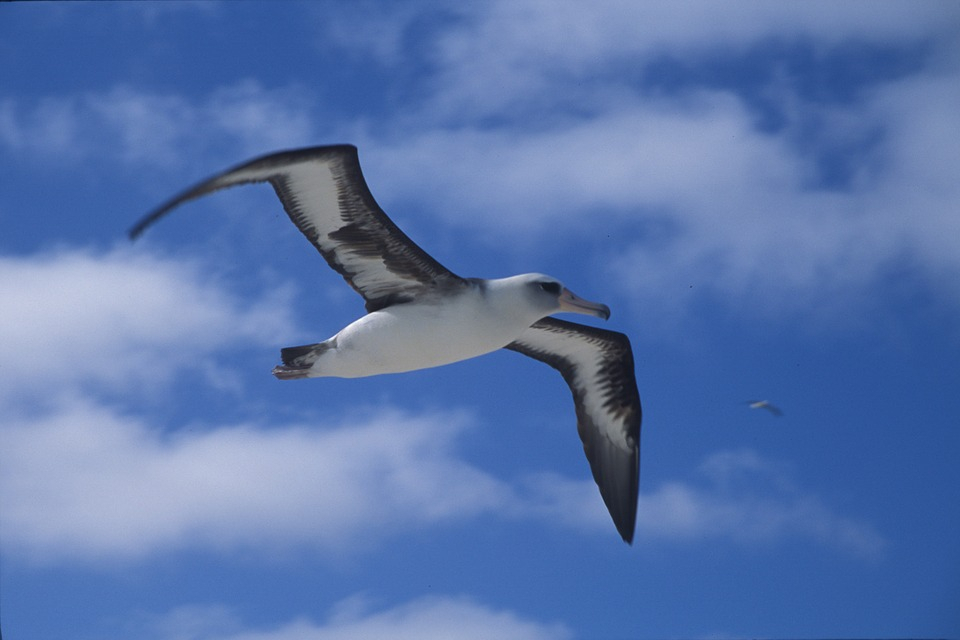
x: 640, y: 159
x: 125, y: 124
x: 421, y: 619
x: 437, y: 618
x: 121, y: 320
x: 89, y: 482
x: 524, y: 116
x: 921, y: 187
x: 502, y: 56
x: 368, y: 29
x: 734, y: 495
x: 693, y: 191
x: 751, y: 501
x: 575, y: 504
x: 86, y: 482
x: 695, y: 194
x: 82, y: 478
x: 770, y: 240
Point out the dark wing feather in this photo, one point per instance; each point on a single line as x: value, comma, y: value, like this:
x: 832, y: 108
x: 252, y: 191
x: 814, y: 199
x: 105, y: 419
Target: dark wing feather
x: 323, y: 191
x: 598, y: 366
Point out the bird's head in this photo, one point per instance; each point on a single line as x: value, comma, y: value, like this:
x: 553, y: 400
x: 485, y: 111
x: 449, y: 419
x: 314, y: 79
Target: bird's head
x: 548, y: 295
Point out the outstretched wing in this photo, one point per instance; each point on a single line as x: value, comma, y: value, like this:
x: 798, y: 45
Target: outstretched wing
x: 323, y: 191
x: 598, y: 366
x: 763, y: 404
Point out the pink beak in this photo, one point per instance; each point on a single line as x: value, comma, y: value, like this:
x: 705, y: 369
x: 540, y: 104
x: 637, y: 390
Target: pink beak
x: 569, y: 301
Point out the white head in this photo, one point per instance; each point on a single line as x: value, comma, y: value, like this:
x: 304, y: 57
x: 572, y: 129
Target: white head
x: 545, y: 296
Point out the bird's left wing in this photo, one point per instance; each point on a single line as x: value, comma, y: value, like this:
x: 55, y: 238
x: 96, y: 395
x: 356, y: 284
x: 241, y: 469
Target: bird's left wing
x: 324, y: 193
x: 598, y: 366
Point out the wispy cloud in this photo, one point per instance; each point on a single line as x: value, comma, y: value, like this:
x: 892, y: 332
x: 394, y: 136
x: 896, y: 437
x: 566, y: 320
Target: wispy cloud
x: 86, y: 482
x: 555, y: 112
x: 750, y: 500
x: 129, y: 125
x: 697, y: 194
x: 356, y: 619
x: 120, y: 320
x: 84, y: 478
x: 693, y: 183
x: 91, y: 483
x: 501, y: 59
x: 734, y: 495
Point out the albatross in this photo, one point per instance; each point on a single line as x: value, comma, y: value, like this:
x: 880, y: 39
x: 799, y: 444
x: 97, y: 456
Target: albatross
x: 764, y: 404
x: 420, y: 314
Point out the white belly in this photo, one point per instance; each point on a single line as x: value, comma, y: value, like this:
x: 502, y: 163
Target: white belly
x: 410, y: 337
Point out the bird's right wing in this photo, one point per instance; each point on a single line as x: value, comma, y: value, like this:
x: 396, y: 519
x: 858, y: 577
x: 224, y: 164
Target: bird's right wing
x: 598, y: 366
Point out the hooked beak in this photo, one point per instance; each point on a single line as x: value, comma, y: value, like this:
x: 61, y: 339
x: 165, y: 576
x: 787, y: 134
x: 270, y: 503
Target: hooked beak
x: 569, y: 301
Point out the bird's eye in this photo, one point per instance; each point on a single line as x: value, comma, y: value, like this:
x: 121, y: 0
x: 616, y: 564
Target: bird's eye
x: 550, y: 287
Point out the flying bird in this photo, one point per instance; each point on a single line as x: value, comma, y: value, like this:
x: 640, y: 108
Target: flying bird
x: 420, y: 314
x: 763, y: 404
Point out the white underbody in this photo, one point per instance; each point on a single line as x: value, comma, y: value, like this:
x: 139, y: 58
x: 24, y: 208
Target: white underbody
x: 413, y: 336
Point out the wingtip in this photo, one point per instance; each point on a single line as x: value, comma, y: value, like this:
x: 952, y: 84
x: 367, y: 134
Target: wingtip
x: 137, y: 230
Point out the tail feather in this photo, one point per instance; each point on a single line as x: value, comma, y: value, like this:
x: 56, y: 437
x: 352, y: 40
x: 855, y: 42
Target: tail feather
x: 297, y: 361
x: 303, y: 355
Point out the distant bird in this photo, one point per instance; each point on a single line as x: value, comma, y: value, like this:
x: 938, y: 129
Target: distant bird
x: 763, y: 404
x: 420, y: 315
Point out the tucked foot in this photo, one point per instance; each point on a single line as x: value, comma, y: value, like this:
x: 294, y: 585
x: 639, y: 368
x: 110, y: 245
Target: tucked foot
x: 285, y: 372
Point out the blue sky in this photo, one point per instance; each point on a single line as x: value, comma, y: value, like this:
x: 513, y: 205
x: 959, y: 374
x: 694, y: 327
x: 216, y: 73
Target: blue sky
x: 767, y: 196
